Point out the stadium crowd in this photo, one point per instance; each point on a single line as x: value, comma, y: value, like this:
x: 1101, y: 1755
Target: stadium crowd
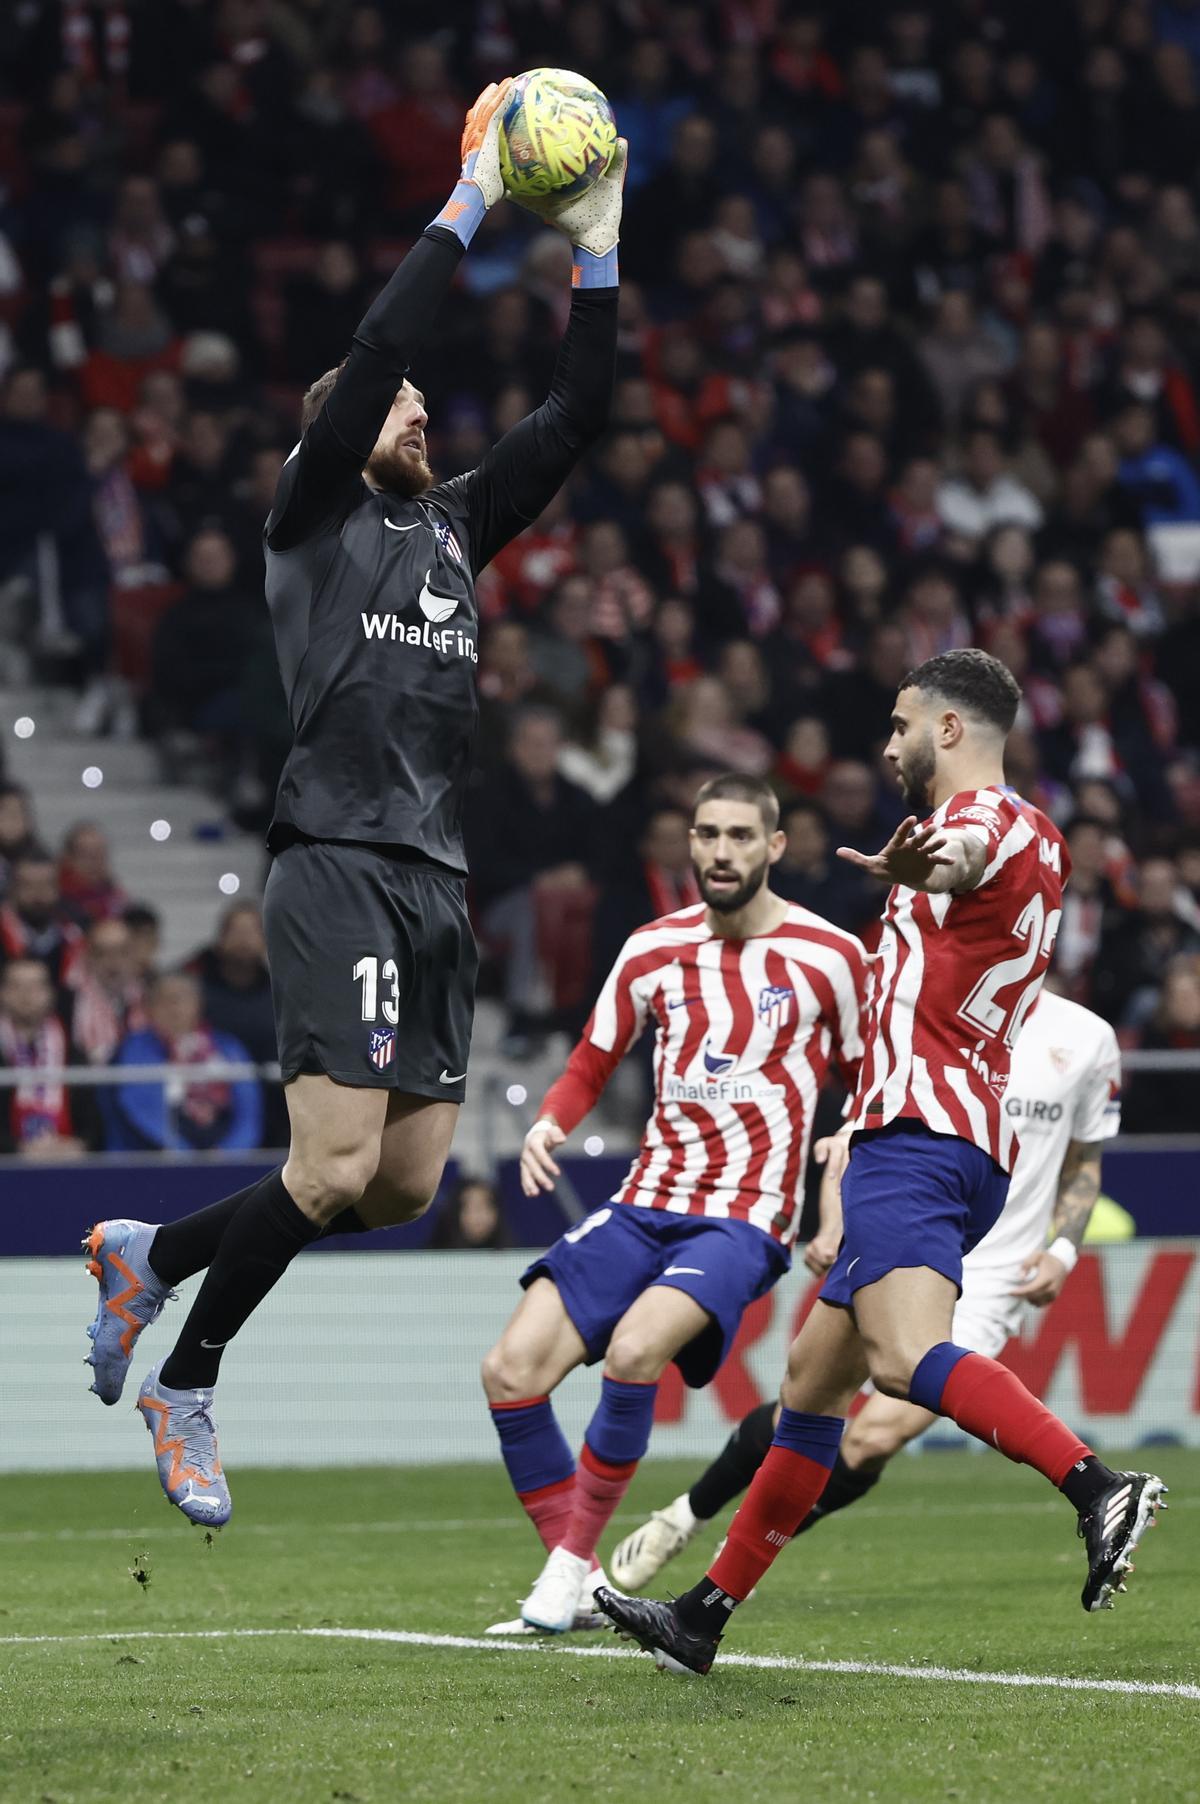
x: 910, y: 359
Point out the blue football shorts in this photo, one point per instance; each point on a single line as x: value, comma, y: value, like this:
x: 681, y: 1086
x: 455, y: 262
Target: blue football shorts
x: 911, y: 1197
x: 601, y: 1267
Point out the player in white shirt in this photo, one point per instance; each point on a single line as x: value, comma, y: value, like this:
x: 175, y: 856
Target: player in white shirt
x: 1063, y: 1101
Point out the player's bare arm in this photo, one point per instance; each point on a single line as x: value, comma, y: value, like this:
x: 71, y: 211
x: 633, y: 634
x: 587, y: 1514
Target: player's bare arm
x: 538, y: 1170
x: 831, y: 1153
x: 1047, y: 1270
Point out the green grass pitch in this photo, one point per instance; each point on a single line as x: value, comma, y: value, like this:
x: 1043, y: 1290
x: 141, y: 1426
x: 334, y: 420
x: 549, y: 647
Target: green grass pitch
x: 956, y: 1561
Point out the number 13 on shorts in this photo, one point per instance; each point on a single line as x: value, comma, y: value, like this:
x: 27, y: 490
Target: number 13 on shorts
x: 367, y: 973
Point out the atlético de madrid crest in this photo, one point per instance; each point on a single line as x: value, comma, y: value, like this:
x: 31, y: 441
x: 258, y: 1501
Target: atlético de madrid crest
x: 447, y: 541
x: 383, y: 1047
x: 775, y: 1003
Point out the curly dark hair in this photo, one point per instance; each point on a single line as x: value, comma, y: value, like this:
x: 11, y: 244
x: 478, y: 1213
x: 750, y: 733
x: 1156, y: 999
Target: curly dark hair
x: 972, y: 680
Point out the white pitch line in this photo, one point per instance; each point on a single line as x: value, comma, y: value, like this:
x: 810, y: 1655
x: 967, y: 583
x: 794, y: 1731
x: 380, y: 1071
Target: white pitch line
x: 955, y: 1675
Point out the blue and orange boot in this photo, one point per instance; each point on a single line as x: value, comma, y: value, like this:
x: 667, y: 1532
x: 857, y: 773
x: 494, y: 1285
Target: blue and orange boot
x: 185, y: 1447
x: 131, y: 1297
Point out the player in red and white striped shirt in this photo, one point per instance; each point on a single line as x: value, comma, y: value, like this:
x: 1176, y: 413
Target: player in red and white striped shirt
x: 751, y: 999
x: 969, y: 925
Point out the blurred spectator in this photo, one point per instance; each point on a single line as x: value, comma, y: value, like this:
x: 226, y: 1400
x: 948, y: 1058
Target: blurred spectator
x: 34, y: 923
x: 854, y: 806
x: 1164, y: 1102
x: 108, y: 994
x: 40, y: 1117
x: 1090, y: 907
x: 145, y: 931
x: 322, y: 311
x: 236, y: 989
x: 958, y: 352
x: 201, y: 1114
x: 986, y: 494
x: 200, y: 645
x: 531, y: 834
x: 602, y: 756
x: 471, y: 1219
x: 1159, y: 479
x: 810, y: 874
x: 50, y: 552
x: 1137, y: 950
x: 1125, y: 589
x: 704, y: 722
x: 657, y: 879
x: 17, y: 831
x: 87, y: 887
x: 803, y: 765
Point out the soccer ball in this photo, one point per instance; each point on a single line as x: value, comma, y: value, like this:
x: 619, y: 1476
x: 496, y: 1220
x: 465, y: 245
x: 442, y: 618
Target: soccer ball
x: 557, y: 135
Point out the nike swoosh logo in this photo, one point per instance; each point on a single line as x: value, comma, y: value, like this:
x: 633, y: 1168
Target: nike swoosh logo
x: 678, y: 1271
x: 396, y: 528
x: 435, y: 607
x: 853, y: 1263
x: 214, y: 1346
x: 446, y: 1078
x: 687, y: 1002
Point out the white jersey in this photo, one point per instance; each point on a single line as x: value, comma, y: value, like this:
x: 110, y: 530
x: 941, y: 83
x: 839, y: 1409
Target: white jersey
x: 1064, y: 1085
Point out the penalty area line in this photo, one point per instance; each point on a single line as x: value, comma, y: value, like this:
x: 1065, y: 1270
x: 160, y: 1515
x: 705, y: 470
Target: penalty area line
x: 887, y: 1669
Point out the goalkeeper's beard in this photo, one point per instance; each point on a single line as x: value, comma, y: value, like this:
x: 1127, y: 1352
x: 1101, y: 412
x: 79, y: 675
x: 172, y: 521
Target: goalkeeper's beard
x: 399, y: 471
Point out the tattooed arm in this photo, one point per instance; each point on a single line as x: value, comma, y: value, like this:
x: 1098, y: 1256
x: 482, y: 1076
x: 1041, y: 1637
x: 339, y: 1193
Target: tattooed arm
x: 1045, y: 1272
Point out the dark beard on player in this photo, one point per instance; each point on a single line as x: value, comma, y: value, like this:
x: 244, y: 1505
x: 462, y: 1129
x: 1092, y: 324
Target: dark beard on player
x: 399, y: 472
x: 916, y: 773
x: 727, y: 902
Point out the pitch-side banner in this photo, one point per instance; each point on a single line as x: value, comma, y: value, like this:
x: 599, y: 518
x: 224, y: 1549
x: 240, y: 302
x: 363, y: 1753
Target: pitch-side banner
x: 362, y: 1359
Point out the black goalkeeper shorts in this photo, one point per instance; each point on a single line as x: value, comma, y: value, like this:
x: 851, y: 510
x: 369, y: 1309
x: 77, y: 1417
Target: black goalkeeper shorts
x: 373, y: 966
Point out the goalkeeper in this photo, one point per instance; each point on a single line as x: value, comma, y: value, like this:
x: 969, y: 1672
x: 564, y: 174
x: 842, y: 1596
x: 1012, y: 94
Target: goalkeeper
x: 370, y: 577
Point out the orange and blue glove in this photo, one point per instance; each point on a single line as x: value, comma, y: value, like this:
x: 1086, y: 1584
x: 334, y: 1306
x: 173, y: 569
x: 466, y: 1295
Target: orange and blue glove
x: 480, y: 185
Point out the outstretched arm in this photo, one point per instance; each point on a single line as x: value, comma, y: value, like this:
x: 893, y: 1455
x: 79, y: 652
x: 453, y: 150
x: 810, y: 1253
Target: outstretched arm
x: 322, y: 474
x: 934, y: 859
x: 521, y: 473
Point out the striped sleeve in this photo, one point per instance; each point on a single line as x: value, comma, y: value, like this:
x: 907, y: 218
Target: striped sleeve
x: 623, y: 1005
x: 621, y: 1011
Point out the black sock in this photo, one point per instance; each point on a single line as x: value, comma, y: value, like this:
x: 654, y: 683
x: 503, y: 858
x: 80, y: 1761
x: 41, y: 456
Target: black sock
x: 735, y: 1465
x: 846, y: 1485
x: 705, y: 1609
x: 1085, y: 1481
x: 349, y: 1221
x: 254, y: 1252
x: 182, y: 1248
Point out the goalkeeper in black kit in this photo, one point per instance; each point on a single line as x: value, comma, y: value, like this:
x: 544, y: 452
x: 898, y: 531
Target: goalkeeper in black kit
x: 371, y: 570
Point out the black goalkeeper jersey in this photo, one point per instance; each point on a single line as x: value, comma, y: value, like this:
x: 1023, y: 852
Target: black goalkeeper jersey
x: 372, y: 595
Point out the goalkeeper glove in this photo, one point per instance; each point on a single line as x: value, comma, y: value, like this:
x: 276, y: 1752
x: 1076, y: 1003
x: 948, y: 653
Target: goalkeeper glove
x: 592, y: 221
x: 480, y: 185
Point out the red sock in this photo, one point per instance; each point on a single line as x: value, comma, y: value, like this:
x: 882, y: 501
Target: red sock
x: 785, y: 1488
x: 549, y: 1509
x: 989, y: 1401
x: 599, y: 1488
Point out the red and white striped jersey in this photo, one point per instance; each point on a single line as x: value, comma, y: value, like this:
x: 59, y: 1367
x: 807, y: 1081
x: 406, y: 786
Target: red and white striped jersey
x: 956, y: 975
x: 745, y: 1031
